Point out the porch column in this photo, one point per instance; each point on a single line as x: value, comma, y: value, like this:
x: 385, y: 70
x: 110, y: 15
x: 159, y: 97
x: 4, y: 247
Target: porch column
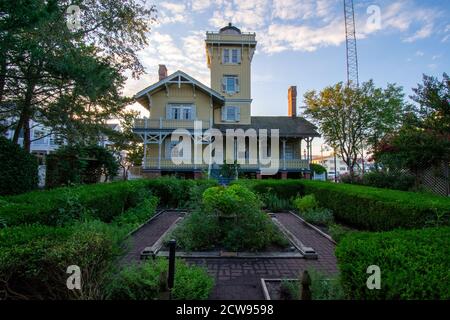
x: 300, y: 148
x: 284, y: 154
x: 159, y: 150
x: 145, y: 151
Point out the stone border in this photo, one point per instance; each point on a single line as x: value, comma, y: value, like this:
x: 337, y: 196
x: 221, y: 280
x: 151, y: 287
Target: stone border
x: 154, y: 249
x: 264, y: 286
x: 157, y: 214
x: 233, y: 255
x: 313, y: 227
x: 307, y: 252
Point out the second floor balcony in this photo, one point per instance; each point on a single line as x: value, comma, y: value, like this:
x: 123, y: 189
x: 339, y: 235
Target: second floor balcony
x: 168, y: 124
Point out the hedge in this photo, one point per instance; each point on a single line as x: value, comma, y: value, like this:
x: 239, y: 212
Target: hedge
x: 414, y: 264
x: 58, y: 206
x: 34, y: 258
x: 362, y: 207
x: 19, y: 169
x: 376, y: 209
x: 283, y: 189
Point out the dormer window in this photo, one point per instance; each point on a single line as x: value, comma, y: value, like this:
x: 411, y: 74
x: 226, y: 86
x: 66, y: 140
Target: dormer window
x: 231, y: 56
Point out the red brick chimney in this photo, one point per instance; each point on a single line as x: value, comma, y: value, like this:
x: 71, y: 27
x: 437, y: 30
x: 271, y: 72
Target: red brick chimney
x: 292, y: 101
x: 162, y: 72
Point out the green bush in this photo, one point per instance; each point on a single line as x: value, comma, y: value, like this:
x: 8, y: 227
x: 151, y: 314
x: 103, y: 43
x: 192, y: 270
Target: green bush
x: 230, y: 217
x: 79, y: 164
x: 396, y: 181
x: 34, y: 260
x: 59, y: 206
x: 338, y: 232
x: 325, y: 287
x: 283, y: 189
x: 273, y: 203
x: 19, y: 169
x: 317, y: 168
x: 134, y: 217
x: 414, y: 264
x: 147, y: 281
x: 306, y: 203
x: 319, y: 216
x: 178, y: 193
x: 379, y: 209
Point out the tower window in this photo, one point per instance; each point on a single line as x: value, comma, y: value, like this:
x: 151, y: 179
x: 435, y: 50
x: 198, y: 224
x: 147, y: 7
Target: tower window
x: 231, y: 113
x: 231, y: 56
x: 230, y: 84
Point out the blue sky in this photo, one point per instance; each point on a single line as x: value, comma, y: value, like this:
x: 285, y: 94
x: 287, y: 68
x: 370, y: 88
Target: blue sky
x: 302, y: 43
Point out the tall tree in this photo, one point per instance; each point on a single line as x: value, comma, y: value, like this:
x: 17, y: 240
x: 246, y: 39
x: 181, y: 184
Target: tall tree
x: 70, y: 80
x: 350, y: 117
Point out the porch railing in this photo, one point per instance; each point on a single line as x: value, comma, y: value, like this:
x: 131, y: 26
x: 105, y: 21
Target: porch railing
x: 162, y: 164
x: 168, y: 124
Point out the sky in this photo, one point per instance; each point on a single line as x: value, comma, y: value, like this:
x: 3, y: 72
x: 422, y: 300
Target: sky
x: 302, y: 43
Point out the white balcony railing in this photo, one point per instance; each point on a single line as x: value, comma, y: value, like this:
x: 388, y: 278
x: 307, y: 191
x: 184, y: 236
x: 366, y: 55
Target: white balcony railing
x: 168, y: 124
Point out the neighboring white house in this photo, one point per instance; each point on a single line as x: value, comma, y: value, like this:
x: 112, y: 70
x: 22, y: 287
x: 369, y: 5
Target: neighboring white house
x: 43, y: 142
x: 342, y: 168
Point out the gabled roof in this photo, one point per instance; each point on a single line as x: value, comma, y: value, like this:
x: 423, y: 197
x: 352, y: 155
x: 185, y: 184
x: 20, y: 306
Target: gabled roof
x: 178, y: 77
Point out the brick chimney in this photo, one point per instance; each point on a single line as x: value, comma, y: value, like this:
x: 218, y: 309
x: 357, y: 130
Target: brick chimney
x: 292, y: 101
x: 162, y: 72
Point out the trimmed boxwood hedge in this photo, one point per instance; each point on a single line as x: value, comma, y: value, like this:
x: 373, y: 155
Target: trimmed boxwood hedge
x: 362, y: 207
x: 105, y: 201
x: 414, y: 264
x: 283, y: 189
x: 19, y: 169
x: 376, y: 209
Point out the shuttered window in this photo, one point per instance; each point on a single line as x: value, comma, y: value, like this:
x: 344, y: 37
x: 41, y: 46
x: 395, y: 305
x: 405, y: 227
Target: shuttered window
x: 231, y: 113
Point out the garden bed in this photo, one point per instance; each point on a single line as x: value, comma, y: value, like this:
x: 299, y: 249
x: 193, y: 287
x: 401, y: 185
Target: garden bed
x: 272, y: 288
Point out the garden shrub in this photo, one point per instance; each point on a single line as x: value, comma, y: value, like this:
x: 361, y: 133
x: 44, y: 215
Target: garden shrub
x: 379, y: 209
x: 76, y: 164
x: 283, y: 189
x: 319, y: 216
x: 34, y: 260
x: 306, y: 203
x: 273, y: 203
x: 338, y: 231
x: 229, y: 217
x: 388, y: 180
x: 59, y: 206
x: 147, y: 281
x: 134, y: 217
x: 19, y: 169
x: 325, y: 287
x: 415, y: 264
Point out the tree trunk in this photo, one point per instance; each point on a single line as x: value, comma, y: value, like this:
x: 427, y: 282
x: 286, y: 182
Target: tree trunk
x: 2, y: 76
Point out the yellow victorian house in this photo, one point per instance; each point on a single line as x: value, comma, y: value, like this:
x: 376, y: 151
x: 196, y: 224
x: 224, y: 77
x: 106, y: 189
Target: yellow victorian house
x: 178, y: 101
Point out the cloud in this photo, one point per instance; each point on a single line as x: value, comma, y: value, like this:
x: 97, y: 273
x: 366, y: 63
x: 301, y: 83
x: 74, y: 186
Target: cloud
x: 420, y: 53
x: 422, y: 33
x: 200, y: 5
x: 249, y: 15
x: 302, y: 9
x: 170, y: 12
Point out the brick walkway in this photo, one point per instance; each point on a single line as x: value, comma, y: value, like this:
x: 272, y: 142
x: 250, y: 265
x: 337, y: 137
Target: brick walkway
x: 238, y: 279
x: 148, y: 235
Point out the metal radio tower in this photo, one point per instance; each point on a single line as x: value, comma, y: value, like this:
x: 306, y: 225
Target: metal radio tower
x: 350, y: 36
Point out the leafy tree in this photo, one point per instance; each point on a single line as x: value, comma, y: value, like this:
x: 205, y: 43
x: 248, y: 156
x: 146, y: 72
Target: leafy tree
x: 68, y: 80
x: 350, y: 117
x: 423, y: 140
x: 77, y: 164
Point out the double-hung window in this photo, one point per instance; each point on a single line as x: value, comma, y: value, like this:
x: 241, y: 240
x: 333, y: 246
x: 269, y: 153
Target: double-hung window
x: 179, y: 111
x: 231, y: 56
x: 230, y: 84
x: 231, y: 114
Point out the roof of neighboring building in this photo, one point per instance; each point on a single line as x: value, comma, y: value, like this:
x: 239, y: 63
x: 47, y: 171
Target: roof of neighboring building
x: 288, y: 126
